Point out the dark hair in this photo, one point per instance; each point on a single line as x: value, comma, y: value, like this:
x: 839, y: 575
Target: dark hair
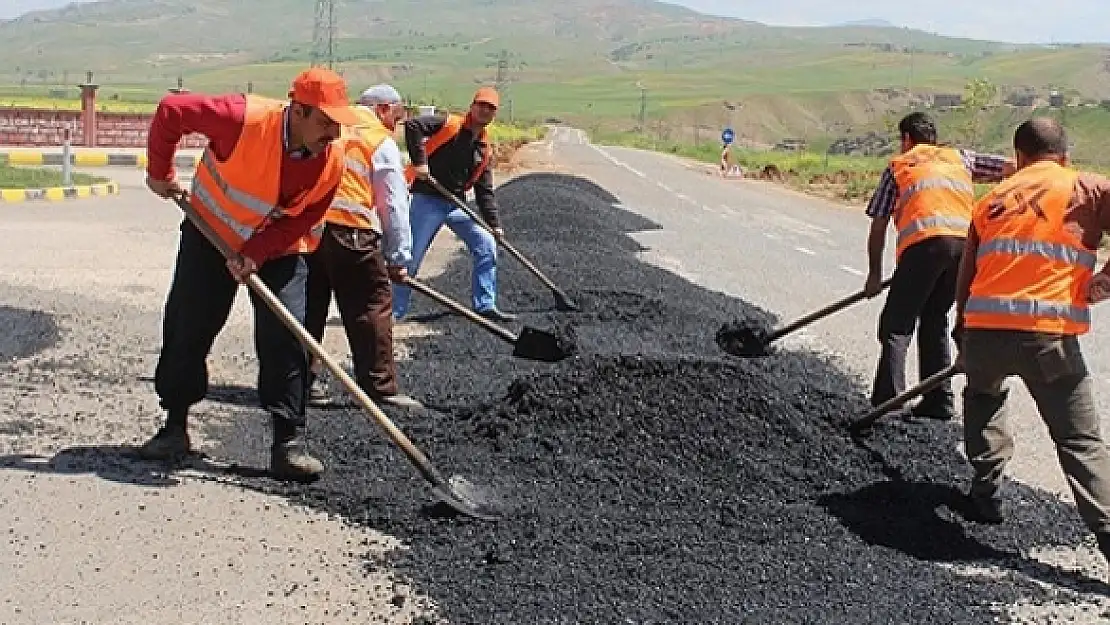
x: 1041, y: 136
x: 919, y: 127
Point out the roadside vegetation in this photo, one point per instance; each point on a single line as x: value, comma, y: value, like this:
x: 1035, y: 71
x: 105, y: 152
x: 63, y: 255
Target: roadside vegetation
x: 39, y: 177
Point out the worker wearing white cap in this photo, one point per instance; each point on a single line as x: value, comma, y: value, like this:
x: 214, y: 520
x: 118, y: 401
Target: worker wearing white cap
x: 367, y: 244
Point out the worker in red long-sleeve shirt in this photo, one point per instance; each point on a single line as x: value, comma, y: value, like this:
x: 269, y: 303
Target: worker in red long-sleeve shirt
x: 267, y: 177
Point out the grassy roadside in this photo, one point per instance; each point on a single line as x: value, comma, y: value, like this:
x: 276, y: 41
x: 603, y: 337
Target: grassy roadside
x: 846, y: 178
x: 37, y: 178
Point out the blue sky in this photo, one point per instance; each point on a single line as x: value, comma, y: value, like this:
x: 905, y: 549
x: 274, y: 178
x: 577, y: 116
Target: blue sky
x: 1020, y: 21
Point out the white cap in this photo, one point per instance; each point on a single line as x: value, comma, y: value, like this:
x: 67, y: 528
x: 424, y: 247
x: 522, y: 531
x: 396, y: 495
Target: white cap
x: 379, y: 94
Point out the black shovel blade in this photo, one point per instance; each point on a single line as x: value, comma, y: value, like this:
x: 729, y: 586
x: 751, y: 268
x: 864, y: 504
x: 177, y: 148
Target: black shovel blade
x: 544, y: 346
x: 746, y: 338
x: 462, y: 496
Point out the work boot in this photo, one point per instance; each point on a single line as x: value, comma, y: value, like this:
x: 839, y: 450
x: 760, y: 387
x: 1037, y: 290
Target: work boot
x: 398, y: 400
x: 172, y: 440
x: 494, y: 314
x: 289, y: 457
x: 319, y: 393
x: 984, y: 508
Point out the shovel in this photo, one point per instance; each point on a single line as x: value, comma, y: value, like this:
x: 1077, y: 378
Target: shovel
x: 750, y: 338
x: 456, y: 492
x: 861, y: 425
x: 532, y: 344
x: 562, y: 301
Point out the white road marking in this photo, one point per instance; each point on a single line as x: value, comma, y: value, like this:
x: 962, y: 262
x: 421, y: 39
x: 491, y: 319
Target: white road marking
x: 817, y: 228
x: 851, y: 270
x: 665, y: 187
x: 806, y: 251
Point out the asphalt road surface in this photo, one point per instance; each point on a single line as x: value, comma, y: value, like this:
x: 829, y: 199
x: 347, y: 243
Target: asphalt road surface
x: 791, y: 254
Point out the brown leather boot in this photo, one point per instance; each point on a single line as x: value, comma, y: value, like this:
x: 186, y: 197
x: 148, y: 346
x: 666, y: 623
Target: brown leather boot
x: 289, y: 457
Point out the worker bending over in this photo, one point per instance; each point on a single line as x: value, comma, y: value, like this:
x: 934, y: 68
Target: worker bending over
x: 928, y: 191
x: 366, y: 243
x: 266, y: 179
x: 458, y: 155
x: 1025, y: 283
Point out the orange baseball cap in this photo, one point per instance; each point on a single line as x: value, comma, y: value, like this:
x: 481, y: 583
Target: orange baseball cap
x: 326, y: 90
x: 489, y: 96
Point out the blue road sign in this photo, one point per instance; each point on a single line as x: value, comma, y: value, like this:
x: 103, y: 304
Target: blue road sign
x: 728, y: 136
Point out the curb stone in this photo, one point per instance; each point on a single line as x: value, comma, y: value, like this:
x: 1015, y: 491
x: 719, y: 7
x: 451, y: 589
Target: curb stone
x: 57, y: 194
x: 87, y: 158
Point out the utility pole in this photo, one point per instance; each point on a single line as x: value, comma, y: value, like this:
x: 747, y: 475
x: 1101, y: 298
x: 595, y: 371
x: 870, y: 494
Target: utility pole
x: 323, y: 34
x: 643, y: 106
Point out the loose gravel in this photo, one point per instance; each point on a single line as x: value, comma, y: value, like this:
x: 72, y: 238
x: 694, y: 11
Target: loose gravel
x: 654, y: 478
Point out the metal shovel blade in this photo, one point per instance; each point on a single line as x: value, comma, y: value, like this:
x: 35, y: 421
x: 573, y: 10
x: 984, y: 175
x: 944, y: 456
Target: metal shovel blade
x: 745, y: 338
x: 535, y: 344
x: 464, y: 497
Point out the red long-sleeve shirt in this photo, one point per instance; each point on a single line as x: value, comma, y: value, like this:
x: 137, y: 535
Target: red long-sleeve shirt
x: 220, y: 119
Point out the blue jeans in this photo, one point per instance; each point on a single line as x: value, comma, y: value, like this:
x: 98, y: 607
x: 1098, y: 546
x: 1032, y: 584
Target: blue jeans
x: 426, y: 215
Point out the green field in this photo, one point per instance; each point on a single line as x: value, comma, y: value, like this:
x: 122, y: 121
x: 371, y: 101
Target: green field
x: 36, y: 178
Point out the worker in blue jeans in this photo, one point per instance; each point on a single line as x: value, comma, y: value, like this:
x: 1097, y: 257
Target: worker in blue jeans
x: 456, y: 151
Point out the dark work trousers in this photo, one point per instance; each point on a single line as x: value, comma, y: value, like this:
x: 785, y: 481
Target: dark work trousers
x: 197, y: 308
x: 923, y: 289
x: 1053, y: 370
x: 349, y: 263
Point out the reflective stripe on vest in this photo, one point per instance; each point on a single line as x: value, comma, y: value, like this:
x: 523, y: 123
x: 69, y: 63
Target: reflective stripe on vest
x: 1031, y: 268
x: 935, y: 195
x: 1028, y: 308
x: 1045, y: 249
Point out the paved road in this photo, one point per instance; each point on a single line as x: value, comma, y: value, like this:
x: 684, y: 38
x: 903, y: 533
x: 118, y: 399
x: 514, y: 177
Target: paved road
x: 786, y: 252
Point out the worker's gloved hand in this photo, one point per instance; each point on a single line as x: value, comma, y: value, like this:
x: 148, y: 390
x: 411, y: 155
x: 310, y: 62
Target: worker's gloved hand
x: 164, y: 188
x: 397, y: 273
x: 499, y: 234
x: 241, y: 268
x: 872, y: 286
x: 1099, y: 288
x: 422, y: 171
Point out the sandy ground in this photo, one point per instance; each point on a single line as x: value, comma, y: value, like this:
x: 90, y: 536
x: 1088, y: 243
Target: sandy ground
x: 92, y: 535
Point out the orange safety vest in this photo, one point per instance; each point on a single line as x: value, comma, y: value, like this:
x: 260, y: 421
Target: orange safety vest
x: 239, y: 196
x: 1032, y: 269
x: 449, y: 131
x: 354, y: 199
x: 935, y: 195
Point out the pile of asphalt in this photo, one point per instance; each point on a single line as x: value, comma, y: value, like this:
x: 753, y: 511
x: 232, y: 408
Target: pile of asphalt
x: 653, y: 478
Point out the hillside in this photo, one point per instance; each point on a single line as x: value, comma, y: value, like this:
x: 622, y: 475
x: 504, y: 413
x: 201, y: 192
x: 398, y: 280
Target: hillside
x: 580, y: 60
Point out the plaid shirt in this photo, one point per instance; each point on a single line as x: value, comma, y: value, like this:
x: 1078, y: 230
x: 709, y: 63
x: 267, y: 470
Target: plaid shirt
x: 983, y: 168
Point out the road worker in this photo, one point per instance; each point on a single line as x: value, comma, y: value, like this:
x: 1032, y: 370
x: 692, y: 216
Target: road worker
x: 928, y: 191
x: 267, y: 177
x: 1025, y: 285
x: 459, y: 155
x: 366, y: 243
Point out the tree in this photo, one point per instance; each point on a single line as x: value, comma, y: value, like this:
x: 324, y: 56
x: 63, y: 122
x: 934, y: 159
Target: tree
x: 979, y: 93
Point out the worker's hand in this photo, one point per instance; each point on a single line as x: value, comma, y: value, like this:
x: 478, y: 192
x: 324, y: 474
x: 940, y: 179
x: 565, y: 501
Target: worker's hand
x: 1009, y: 168
x: 1099, y: 288
x: 397, y: 273
x: 241, y: 268
x: 499, y: 234
x: 422, y: 171
x: 872, y: 286
x: 164, y: 188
